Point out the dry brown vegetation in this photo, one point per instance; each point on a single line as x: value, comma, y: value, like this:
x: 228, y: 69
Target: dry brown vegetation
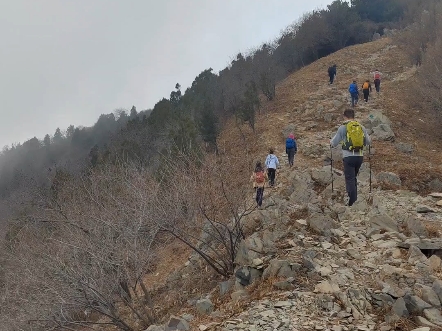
x: 104, y: 250
x: 109, y: 248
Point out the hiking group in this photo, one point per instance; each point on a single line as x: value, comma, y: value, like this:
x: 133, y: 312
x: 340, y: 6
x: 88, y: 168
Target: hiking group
x: 366, y: 88
x: 261, y: 175
x: 351, y: 135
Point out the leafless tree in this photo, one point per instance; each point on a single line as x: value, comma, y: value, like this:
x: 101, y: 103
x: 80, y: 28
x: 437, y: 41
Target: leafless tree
x: 82, y: 260
x: 206, y: 205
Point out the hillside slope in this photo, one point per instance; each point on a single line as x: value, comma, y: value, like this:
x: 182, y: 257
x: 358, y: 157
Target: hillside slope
x: 308, y: 104
x: 308, y: 262
x: 327, y: 266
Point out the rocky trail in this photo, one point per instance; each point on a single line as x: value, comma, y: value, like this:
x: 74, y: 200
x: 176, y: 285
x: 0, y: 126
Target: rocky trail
x: 373, y: 266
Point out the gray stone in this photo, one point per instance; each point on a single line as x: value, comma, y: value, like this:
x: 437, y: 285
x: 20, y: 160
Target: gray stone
x: 422, y: 329
x: 393, y: 290
x: 404, y: 148
x: 383, y: 132
x: 414, y: 304
x: 284, y: 285
x: 374, y: 119
x: 204, y: 306
x: 327, y: 287
x: 415, y: 255
x: 389, y: 178
x: 321, y: 223
x: 422, y: 321
x: 416, y: 226
x: 398, y: 311
x: 382, y: 299
x: 434, y: 316
x: 437, y: 288
x: 250, y: 249
x: 281, y: 304
x: 280, y: 268
x: 247, y: 275
x: 430, y: 296
x: 302, y: 187
x: 225, y: 286
x: 384, y: 222
x: 176, y: 323
x: 322, y: 175
x: 424, y: 209
x: 155, y: 328
x: 434, y: 262
x: 354, y: 253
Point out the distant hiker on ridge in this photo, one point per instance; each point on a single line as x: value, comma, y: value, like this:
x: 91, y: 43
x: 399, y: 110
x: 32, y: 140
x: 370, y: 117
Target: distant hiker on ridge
x: 272, y: 163
x: 353, y: 138
x: 377, y: 80
x: 259, y: 178
x: 354, y: 93
x: 332, y: 73
x: 366, y: 89
x: 291, y: 148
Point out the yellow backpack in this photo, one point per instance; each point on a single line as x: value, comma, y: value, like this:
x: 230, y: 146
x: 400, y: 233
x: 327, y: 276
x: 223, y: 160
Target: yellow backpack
x: 366, y: 86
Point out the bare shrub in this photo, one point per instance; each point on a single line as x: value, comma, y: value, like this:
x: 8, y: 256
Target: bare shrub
x: 81, y: 260
x: 203, y: 205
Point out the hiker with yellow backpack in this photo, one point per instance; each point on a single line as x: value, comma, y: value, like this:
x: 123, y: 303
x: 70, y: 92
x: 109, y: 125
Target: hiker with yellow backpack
x: 259, y: 178
x: 353, y: 137
x: 366, y: 89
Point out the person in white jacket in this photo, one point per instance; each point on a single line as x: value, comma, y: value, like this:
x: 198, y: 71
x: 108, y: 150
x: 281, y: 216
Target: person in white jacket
x: 272, y: 163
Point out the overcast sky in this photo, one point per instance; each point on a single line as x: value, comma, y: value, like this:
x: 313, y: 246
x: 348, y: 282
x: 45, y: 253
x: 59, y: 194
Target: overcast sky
x: 66, y: 62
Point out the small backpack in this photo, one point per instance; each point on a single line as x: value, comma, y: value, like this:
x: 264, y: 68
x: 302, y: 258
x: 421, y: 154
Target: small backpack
x: 355, y: 137
x: 377, y: 75
x: 259, y: 177
x: 366, y: 86
x: 289, y: 143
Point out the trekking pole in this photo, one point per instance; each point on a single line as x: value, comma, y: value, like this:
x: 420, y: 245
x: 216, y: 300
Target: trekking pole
x: 331, y: 165
x: 369, y: 162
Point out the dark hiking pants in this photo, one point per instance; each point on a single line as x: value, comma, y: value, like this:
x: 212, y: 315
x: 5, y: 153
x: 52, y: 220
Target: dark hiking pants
x: 354, y: 99
x: 332, y: 78
x: 272, y: 174
x: 352, y: 164
x: 259, y: 195
x: 366, y: 94
x: 377, y: 85
x: 291, y: 155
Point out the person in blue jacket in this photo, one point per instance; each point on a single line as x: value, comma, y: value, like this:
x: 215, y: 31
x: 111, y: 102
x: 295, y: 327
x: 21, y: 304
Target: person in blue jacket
x: 354, y: 93
x: 291, y: 148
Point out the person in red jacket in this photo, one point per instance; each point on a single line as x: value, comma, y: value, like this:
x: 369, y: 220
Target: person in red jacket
x: 377, y: 80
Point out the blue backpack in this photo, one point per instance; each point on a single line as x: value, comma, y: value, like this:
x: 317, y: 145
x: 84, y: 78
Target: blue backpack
x: 353, y: 89
x: 289, y: 143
